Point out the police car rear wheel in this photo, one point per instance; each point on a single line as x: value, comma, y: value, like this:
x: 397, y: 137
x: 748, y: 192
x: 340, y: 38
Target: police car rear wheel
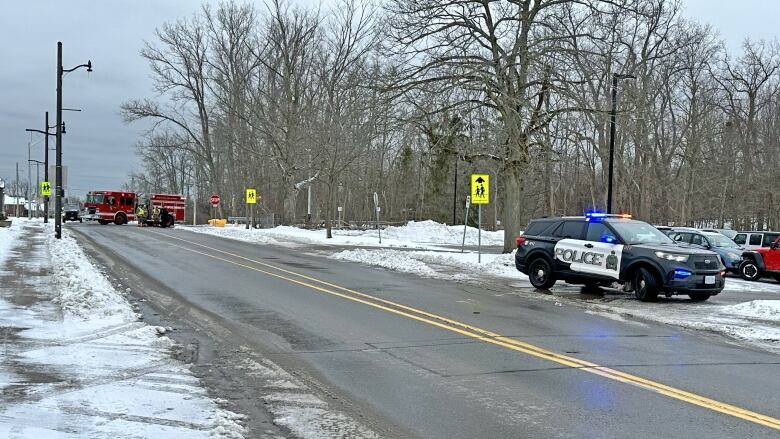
x: 645, y: 285
x: 748, y: 270
x: 540, y: 274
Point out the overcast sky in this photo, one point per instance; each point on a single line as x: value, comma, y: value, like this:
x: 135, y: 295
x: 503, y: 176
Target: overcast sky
x: 98, y: 145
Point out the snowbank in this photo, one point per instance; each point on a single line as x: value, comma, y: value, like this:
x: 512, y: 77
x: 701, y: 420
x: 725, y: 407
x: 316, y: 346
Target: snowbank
x: 420, y: 235
x: 436, y: 264
x: 82, y: 290
x: 759, y: 309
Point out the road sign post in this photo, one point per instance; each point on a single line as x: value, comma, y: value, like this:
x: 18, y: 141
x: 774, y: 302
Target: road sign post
x: 480, y: 194
x: 339, y: 223
x: 465, y: 223
x: 214, y: 200
x: 251, y: 198
x: 376, y: 206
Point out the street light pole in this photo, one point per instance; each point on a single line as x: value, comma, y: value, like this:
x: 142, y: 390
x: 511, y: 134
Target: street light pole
x: 46, y: 168
x: 612, y: 118
x: 58, y: 154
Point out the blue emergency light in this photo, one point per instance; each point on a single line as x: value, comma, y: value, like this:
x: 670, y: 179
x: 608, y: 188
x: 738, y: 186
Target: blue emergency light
x: 681, y: 273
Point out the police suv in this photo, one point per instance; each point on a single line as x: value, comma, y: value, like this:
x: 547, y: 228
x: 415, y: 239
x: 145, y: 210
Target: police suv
x: 598, y: 249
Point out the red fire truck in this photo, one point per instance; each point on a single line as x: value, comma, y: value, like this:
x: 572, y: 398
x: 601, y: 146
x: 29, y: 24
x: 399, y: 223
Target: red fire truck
x: 110, y: 206
x: 171, y: 202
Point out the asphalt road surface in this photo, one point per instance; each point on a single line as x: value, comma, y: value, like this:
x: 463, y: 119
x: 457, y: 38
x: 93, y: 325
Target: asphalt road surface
x: 435, y: 359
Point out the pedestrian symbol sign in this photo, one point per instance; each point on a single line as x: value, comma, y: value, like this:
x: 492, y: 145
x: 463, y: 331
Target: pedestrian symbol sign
x: 251, y: 196
x: 480, y: 188
x: 45, y: 189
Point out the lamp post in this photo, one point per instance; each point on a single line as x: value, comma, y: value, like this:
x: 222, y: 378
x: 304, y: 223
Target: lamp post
x: 612, y: 117
x: 58, y: 186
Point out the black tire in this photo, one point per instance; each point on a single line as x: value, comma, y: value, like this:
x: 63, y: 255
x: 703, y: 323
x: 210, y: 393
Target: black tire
x: 777, y: 278
x: 645, y: 285
x: 103, y: 222
x: 699, y: 297
x: 748, y: 270
x: 541, y: 274
x: 120, y: 219
x: 166, y: 221
x: 80, y: 220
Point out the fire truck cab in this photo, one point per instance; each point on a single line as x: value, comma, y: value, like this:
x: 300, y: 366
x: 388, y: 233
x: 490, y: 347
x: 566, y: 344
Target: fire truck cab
x: 110, y: 206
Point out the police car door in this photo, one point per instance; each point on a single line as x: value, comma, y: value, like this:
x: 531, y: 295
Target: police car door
x: 598, y: 255
x: 570, y: 244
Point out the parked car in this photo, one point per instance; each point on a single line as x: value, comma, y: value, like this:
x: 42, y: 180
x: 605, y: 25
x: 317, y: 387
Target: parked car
x: 730, y: 253
x: 725, y: 232
x: 751, y: 240
x: 71, y: 212
x: 600, y: 249
x: 761, y: 261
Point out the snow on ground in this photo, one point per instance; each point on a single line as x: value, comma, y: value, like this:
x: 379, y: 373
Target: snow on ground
x: 418, y: 235
x: 77, y: 362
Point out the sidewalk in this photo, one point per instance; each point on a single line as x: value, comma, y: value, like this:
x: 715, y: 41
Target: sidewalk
x: 76, y: 360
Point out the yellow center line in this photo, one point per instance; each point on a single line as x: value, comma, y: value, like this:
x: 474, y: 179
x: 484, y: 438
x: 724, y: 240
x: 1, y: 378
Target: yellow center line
x: 484, y: 335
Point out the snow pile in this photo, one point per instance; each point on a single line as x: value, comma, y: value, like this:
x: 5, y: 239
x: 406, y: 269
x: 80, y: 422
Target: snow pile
x: 759, y: 309
x: 233, y: 232
x: 415, y: 234
x: 82, y: 291
x: 437, y: 233
x: 436, y: 264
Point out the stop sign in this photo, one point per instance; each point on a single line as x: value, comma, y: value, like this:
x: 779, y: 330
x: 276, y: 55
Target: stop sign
x: 214, y: 200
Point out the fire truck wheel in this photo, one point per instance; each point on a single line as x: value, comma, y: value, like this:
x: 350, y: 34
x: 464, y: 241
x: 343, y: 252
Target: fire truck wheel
x: 120, y: 219
x: 166, y: 221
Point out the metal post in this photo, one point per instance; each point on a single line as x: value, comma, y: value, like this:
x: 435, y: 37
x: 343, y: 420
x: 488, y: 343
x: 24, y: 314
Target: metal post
x: 58, y: 154
x: 29, y: 182
x: 455, y: 191
x: 465, y: 223
x: 479, y: 233
x: 16, y: 192
x: 246, y: 218
x: 46, y: 168
x: 612, y: 117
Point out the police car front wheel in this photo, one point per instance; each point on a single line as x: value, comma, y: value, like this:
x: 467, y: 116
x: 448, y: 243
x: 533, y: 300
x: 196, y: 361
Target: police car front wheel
x: 645, y: 285
x: 540, y: 274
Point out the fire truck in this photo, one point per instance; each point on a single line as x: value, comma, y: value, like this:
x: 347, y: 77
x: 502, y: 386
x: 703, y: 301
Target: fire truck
x: 173, y: 203
x: 110, y: 206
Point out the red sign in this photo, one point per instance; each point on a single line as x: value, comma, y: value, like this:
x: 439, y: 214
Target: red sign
x: 214, y: 200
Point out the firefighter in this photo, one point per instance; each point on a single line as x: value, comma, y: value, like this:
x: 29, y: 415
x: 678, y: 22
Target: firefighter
x: 141, y: 215
x: 156, y: 214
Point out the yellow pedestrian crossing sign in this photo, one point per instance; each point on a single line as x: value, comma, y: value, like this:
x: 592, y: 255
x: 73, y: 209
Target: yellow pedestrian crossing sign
x: 45, y: 189
x: 480, y: 188
x: 251, y: 196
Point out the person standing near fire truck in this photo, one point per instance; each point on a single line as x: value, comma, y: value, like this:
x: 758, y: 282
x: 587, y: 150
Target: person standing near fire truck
x: 141, y: 215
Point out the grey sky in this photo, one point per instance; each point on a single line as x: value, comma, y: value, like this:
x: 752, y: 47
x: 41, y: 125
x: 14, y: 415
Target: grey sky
x: 98, y: 145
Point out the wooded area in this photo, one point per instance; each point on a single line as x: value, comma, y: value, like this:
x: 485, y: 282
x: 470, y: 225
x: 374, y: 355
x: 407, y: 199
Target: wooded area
x: 408, y: 97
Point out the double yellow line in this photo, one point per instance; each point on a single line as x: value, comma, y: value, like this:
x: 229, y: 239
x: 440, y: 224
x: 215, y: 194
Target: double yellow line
x: 480, y: 334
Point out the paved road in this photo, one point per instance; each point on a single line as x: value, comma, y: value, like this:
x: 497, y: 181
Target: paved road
x: 424, y: 358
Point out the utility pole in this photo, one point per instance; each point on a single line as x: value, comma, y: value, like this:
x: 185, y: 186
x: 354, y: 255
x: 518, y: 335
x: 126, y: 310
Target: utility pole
x: 58, y: 188
x: 29, y: 183
x: 46, y: 168
x: 16, y: 192
x: 58, y: 153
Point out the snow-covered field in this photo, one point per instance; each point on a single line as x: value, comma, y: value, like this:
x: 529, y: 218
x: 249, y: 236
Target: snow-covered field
x: 421, y: 234
x: 77, y: 362
x: 425, y: 249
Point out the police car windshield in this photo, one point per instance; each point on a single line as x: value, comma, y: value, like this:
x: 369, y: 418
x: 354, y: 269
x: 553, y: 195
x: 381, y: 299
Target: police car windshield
x: 637, y: 232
